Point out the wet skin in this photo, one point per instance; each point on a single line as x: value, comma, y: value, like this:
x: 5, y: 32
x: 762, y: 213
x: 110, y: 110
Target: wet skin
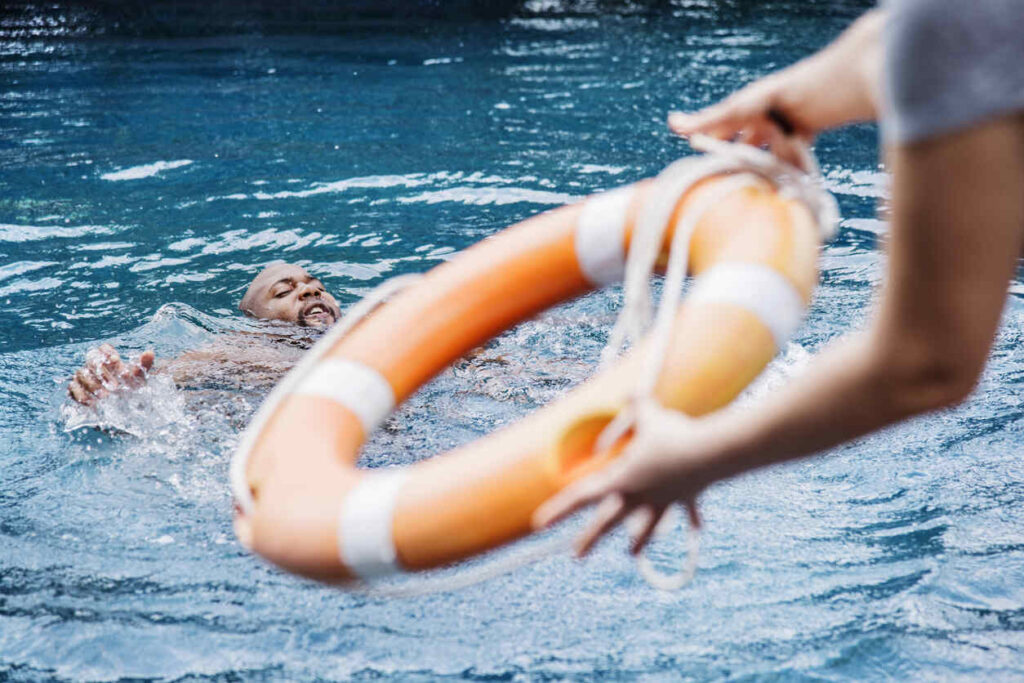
x: 281, y: 291
x: 287, y: 292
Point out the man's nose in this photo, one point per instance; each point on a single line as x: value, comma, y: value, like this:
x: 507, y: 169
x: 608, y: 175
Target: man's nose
x: 308, y: 291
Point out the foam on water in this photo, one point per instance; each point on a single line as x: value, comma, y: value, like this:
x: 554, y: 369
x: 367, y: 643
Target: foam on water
x: 145, y: 170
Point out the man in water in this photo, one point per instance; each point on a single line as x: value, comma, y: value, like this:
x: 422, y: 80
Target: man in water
x: 281, y: 291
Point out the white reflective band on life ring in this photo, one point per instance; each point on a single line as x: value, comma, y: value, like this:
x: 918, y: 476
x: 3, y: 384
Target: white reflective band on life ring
x: 757, y: 288
x: 359, y: 388
x: 366, y: 544
x: 601, y: 235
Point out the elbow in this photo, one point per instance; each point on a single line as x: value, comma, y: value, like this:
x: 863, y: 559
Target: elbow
x: 912, y: 384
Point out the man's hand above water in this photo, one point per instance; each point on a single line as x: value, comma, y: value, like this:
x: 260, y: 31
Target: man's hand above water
x: 104, y: 373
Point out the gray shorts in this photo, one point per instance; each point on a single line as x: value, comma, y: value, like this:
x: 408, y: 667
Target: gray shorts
x: 950, y: 65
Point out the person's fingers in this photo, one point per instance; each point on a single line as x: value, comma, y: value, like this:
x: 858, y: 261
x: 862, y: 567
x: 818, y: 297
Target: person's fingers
x: 745, y: 136
x: 109, y: 354
x: 569, y: 500
x: 755, y: 135
x: 651, y: 516
x: 681, y: 123
x: 88, y: 380
x: 99, y: 366
x: 134, y: 375
x: 79, y: 393
x: 693, y: 513
x: 114, y: 359
x: 717, y: 121
x: 98, y: 355
x: 786, y: 147
x: 759, y: 135
x: 111, y: 370
x: 612, y: 510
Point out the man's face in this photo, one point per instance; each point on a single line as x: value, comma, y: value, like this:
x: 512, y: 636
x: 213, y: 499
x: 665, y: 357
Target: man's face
x: 283, y: 291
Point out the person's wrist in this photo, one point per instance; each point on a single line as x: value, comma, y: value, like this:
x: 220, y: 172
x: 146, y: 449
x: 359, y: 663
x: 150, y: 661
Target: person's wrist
x: 699, y: 462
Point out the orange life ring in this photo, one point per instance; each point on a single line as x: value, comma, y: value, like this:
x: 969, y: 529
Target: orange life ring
x: 313, y: 512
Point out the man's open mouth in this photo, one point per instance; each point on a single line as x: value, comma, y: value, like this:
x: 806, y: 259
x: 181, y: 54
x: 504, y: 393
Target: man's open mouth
x: 317, y: 314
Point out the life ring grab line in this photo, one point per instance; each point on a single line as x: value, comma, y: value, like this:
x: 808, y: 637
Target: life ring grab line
x: 379, y: 489
x: 365, y: 542
x: 365, y: 523
x: 758, y: 289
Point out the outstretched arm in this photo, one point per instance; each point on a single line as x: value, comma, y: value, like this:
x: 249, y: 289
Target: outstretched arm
x: 240, y: 361
x: 956, y: 232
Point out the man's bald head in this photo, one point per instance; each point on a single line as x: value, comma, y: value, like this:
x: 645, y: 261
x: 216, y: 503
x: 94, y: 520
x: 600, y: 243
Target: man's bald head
x: 285, y: 291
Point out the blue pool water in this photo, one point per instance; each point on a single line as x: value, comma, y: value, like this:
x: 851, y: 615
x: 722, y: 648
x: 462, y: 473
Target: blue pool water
x: 143, y: 180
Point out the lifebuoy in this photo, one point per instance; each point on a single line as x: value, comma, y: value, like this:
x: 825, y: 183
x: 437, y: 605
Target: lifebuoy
x: 305, y: 506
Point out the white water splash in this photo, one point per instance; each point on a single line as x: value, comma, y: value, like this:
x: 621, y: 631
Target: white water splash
x: 140, y: 412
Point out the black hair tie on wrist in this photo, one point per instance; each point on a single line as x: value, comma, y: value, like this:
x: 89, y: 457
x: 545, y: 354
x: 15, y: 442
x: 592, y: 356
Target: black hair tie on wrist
x: 782, y: 121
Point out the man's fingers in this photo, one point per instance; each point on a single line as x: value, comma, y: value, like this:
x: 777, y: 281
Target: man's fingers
x: 134, y: 375
x: 104, y: 372
x: 680, y: 123
x: 101, y: 367
x: 610, y: 512
x: 79, y: 394
x: 88, y: 380
x: 651, y: 515
x: 756, y: 135
x: 110, y: 371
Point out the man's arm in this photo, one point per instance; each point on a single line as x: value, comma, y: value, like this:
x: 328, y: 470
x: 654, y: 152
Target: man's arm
x: 241, y: 361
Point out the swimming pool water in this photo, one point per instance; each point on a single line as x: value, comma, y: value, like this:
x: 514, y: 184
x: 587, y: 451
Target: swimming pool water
x: 144, y: 180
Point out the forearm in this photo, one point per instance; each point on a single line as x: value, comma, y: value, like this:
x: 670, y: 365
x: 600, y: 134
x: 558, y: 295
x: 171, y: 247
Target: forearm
x: 848, y: 391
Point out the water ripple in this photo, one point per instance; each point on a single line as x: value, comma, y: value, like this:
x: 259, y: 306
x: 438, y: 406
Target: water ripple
x: 383, y: 150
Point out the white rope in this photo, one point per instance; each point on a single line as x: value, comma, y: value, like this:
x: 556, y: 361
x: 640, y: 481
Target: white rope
x: 469, y: 576
x: 750, y: 166
x: 635, y: 316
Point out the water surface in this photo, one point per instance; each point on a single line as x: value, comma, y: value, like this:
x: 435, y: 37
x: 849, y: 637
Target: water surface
x: 140, y: 172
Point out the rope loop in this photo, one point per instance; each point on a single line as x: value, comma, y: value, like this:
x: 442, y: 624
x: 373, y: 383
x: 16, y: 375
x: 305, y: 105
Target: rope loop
x: 747, y: 166
x: 664, y: 581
